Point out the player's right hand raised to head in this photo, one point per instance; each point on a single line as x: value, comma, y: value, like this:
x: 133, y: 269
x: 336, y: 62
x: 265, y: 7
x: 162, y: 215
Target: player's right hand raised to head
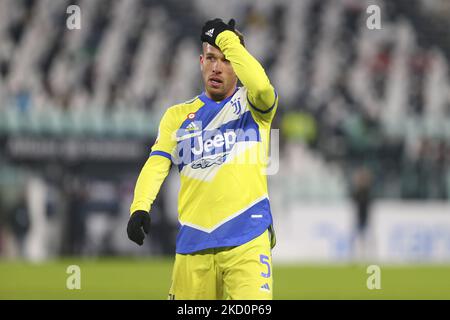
x: 139, y: 220
x: 212, y: 28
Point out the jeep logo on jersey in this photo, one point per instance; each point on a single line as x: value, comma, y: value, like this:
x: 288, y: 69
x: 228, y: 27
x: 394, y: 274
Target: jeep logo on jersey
x: 192, y: 145
x: 218, y: 141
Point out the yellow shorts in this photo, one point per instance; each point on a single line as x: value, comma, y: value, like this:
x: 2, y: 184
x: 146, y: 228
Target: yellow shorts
x: 234, y: 273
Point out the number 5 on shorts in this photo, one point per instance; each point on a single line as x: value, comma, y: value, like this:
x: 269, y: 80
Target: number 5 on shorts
x: 265, y: 260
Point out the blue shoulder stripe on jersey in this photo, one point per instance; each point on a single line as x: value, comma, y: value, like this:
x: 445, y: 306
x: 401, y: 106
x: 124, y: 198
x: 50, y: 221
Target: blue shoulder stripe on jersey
x: 161, y: 153
x: 243, y: 228
x: 264, y: 111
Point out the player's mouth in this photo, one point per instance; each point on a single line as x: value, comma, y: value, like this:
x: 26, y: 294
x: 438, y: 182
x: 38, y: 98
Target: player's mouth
x: 215, y: 82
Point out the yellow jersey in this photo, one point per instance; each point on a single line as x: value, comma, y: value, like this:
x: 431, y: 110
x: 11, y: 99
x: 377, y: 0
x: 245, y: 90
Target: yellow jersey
x: 221, y: 152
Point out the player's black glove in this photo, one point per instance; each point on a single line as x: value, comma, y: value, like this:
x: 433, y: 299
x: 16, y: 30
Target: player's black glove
x: 212, y: 28
x: 139, y: 220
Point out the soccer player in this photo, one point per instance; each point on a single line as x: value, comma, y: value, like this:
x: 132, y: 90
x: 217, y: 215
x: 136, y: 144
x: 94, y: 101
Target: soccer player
x: 223, y: 247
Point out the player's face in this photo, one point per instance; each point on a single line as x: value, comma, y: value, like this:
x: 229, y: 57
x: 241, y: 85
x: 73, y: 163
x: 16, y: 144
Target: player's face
x: 218, y: 74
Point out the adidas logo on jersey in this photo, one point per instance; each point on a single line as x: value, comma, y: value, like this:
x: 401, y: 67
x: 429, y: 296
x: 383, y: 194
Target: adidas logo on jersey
x: 210, y: 32
x: 192, y: 127
x: 265, y: 287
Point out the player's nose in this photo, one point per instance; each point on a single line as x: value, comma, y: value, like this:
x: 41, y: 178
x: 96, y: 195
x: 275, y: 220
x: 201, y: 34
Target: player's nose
x: 217, y: 67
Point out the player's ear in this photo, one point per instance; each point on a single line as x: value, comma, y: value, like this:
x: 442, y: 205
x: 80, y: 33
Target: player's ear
x: 201, y: 62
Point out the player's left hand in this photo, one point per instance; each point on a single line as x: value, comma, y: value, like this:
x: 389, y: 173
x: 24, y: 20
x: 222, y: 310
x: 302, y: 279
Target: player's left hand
x: 212, y: 28
x: 139, y: 220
